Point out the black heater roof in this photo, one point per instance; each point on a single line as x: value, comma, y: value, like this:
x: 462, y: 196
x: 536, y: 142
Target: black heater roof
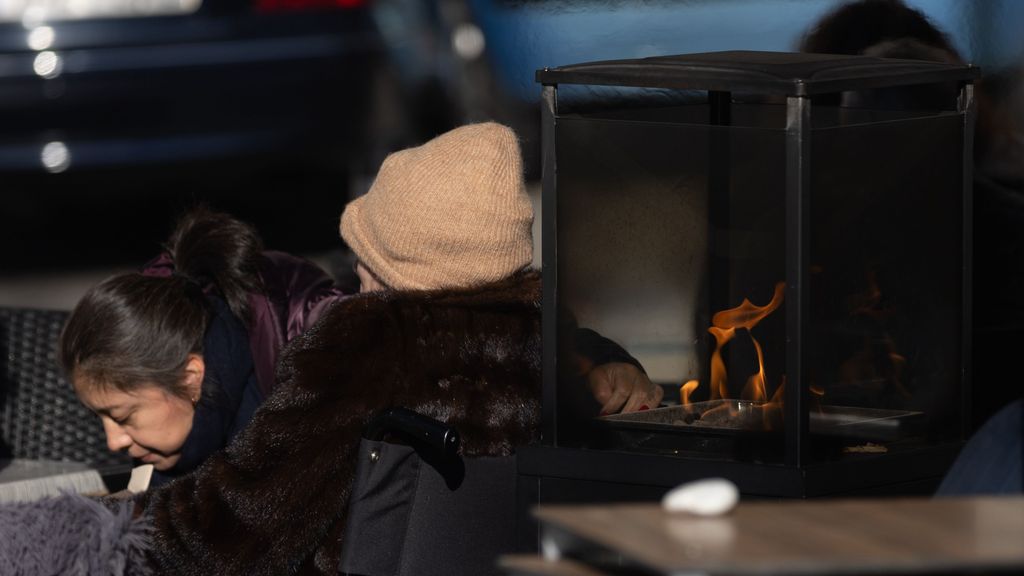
x: 788, y: 73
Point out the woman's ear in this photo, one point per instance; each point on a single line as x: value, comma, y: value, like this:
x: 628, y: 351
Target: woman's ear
x: 195, y: 370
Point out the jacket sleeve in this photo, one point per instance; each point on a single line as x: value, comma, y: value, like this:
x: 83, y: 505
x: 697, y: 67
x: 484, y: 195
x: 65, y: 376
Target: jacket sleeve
x: 296, y: 292
x: 600, y: 350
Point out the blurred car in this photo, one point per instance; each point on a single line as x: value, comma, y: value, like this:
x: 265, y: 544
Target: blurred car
x: 116, y: 113
x: 87, y: 82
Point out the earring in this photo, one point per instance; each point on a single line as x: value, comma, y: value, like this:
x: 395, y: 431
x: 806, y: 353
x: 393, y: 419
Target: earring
x: 195, y: 400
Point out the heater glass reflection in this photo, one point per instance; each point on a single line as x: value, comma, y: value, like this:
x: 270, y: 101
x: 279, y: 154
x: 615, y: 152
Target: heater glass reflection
x: 674, y: 240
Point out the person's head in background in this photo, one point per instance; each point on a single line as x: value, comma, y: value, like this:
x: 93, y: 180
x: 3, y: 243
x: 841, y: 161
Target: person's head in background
x: 892, y: 29
x: 133, y: 345
x: 853, y: 27
x: 885, y: 29
x: 452, y: 213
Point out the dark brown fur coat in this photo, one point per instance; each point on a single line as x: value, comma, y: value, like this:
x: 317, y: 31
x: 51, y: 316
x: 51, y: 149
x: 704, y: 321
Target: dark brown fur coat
x: 274, y: 501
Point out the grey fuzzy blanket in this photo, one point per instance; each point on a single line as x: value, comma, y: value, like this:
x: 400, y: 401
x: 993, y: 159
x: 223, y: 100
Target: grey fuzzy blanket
x: 72, y: 534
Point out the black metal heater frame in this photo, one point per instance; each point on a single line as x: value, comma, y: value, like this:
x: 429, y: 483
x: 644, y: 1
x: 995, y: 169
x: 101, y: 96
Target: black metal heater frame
x: 553, y: 472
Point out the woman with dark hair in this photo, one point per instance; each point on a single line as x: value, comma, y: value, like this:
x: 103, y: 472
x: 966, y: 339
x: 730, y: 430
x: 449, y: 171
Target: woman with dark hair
x: 176, y: 358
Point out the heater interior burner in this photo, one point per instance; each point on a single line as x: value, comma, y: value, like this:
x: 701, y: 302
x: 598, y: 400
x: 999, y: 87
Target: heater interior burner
x: 740, y: 416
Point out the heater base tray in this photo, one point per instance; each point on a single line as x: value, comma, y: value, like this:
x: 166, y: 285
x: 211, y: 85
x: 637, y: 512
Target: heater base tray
x: 736, y: 417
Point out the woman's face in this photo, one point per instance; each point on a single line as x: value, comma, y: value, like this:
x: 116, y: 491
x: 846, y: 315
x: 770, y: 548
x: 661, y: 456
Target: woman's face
x: 148, y: 423
x: 367, y: 281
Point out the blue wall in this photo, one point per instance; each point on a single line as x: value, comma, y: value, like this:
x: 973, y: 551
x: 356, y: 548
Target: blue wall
x: 527, y: 35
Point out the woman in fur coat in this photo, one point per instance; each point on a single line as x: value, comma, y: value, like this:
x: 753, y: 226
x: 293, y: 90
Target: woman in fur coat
x: 447, y: 323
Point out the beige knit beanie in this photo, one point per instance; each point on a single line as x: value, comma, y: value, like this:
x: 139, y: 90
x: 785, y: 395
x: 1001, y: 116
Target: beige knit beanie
x: 451, y: 213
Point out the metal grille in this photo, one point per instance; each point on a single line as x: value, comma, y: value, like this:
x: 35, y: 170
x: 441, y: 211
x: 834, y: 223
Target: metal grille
x: 40, y: 417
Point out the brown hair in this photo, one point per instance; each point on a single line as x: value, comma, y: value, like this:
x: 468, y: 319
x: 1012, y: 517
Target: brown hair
x: 136, y: 328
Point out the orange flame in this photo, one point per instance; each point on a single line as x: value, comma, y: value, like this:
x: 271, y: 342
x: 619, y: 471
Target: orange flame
x: 719, y: 379
x: 747, y: 315
x: 862, y: 366
x: 754, y: 390
x: 724, y: 325
x: 779, y: 396
x: 686, y: 389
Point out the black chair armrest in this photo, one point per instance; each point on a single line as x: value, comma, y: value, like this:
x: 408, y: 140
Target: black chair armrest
x: 437, y: 436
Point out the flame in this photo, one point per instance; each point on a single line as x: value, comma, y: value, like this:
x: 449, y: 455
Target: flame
x: 772, y: 409
x: 747, y: 315
x: 780, y: 393
x: 686, y: 389
x: 719, y: 379
x: 724, y: 325
x: 754, y: 390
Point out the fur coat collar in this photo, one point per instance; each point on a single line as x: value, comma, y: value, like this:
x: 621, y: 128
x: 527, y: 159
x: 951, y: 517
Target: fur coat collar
x: 274, y: 501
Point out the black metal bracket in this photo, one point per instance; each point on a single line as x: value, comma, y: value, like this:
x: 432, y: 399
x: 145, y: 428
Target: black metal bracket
x: 437, y: 436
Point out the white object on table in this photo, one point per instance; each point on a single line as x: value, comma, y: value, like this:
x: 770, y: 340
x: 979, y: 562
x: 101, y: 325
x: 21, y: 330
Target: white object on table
x: 708, y: 497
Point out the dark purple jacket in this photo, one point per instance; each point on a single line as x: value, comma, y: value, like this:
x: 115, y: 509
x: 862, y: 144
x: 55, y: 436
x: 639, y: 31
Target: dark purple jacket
x: 296, y: 293
x: 241, y: 359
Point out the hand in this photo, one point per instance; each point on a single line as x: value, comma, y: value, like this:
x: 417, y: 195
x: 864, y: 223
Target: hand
x: 622, y: 387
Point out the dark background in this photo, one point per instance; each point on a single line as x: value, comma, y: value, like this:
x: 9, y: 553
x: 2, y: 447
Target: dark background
x: 281, y: 110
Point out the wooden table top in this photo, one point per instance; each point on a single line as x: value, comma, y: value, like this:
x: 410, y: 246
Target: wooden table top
x: 862, y: 536
x: 527, y: 565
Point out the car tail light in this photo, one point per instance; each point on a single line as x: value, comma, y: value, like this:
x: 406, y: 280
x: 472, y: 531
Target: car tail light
x: 298, y: 5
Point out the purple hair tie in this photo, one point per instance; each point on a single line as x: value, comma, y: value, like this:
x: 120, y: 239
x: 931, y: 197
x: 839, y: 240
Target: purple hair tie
x: 161, y: 267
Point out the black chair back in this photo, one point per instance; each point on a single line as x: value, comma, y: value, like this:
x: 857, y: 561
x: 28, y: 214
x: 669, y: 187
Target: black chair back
x: 417, y: 510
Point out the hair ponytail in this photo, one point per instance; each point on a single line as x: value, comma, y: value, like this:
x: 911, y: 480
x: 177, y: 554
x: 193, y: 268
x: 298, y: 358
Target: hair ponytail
x: 139, y: 328
x: 215, y: 248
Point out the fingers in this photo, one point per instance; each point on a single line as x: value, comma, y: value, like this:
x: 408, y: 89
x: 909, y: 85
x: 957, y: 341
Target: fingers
x: 607, y: 389
x: 657, y: 393
x: 600, y: 385
x: 622, y: 387
x: 644, y: 394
